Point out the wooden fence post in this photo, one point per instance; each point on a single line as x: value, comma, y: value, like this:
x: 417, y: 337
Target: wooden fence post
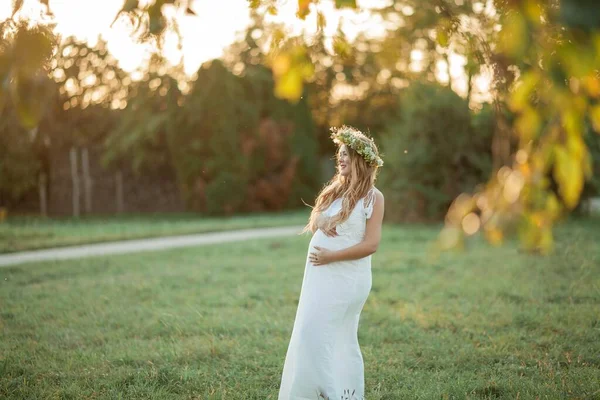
x: 75, y: 182
x: 87, y: 180
x: 119, y: 191
x: 43, y: 195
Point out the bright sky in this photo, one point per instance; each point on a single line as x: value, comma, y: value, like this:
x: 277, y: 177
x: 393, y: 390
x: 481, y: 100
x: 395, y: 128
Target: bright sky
x: 218, y: 24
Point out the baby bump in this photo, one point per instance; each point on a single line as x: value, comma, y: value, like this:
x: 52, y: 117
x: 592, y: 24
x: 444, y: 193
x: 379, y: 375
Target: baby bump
x: 334, y: 243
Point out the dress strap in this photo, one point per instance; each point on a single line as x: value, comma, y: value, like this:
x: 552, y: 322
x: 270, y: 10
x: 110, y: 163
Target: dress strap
x: 368, y: 203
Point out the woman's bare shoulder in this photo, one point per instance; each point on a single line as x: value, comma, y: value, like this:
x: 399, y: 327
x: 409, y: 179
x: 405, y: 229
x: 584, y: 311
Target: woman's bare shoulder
x: 378, y: 194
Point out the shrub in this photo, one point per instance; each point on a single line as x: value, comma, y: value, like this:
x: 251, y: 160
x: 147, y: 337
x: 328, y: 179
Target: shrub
x: 434, y: 151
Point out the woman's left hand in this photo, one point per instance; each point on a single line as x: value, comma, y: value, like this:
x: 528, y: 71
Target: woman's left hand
x: 321, y: 256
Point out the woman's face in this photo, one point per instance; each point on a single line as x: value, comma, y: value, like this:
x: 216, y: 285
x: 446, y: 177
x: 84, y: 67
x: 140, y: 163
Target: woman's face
x: 344, y: 164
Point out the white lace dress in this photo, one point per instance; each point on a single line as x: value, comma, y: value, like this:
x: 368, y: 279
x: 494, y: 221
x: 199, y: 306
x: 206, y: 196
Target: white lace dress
x: 323, y: 359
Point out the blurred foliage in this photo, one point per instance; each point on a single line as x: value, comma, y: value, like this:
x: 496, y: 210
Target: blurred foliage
x: 252, y: 162
x: 229, y: 141
x: 434, y: 151
x: 553, y: 58
x: 544, y: 57
x: 206, y: 149
x: 89, y: 75
x: 545, y: 60
x: 147, y: 119
x: 25, y: 53
x: 19, y: 166
x: 592, y: 187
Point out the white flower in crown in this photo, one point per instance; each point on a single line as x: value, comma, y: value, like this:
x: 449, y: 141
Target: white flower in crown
x: 348, y: 136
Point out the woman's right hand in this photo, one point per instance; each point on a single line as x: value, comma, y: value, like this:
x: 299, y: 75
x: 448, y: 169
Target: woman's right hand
x: 331, y: 232
x: 322, y: 225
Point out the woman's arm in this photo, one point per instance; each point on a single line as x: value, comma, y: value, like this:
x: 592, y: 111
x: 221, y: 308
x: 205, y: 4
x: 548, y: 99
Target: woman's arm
x: 365, y: 248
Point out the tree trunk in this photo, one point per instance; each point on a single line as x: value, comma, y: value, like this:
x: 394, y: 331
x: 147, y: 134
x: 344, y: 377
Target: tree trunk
x: 87, y: 180
x: 119, y: 192
x: 43, y: 190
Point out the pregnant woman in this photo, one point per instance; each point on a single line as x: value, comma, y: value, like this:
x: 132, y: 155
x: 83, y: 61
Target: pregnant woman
x: 323, y: 359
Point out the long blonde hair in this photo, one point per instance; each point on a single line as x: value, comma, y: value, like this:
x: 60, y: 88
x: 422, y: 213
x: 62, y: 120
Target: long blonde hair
x: 352, y: 188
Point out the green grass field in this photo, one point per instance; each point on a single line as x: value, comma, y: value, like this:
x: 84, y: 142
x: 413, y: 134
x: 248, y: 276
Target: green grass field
x: 214, y: 322
x: 19, y: 233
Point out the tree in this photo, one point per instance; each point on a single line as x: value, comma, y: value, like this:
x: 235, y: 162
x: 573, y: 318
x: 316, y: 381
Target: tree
x: 149, y: 117
x: 435, y: 150
x: 25, y: 54
x: 546, y: 61
x: 546, y: 69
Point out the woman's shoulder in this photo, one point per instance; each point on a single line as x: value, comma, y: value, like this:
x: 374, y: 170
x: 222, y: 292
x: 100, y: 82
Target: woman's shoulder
x: 373, y: 196
x: 376, y: 193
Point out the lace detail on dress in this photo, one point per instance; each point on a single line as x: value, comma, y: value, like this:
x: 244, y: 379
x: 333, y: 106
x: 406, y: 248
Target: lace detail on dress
x: 368, y: 203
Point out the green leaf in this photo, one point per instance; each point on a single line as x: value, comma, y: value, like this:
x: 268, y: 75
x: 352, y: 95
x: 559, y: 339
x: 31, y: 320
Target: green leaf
x: 341, y: 46
x: 442, y: 38
x: 32, y: 49
x: 29, y: 98
x: 130, y: 5
x: 345, y: 3
x: 514, y: 36
x: 321, y: 21
x: 157, y: 24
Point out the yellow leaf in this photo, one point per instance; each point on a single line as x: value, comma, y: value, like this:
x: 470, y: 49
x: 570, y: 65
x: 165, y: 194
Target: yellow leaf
x: 595, y: 117
x: 519, y: 99
x: 568, y: 172
x: 289, y: 85
x: 572, y: 122
x: 303, y: 8
x: 528, y: 125
x: 576, y: 147
x: 592, y: 85
x: 281, y: 65
x: 553, y: 206
x: 442, y: 37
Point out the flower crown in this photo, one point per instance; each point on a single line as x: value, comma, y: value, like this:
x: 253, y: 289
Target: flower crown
x: 356, y: 141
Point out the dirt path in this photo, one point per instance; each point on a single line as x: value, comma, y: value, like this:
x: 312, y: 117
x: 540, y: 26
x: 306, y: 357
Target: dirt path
x: 152, y: 244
